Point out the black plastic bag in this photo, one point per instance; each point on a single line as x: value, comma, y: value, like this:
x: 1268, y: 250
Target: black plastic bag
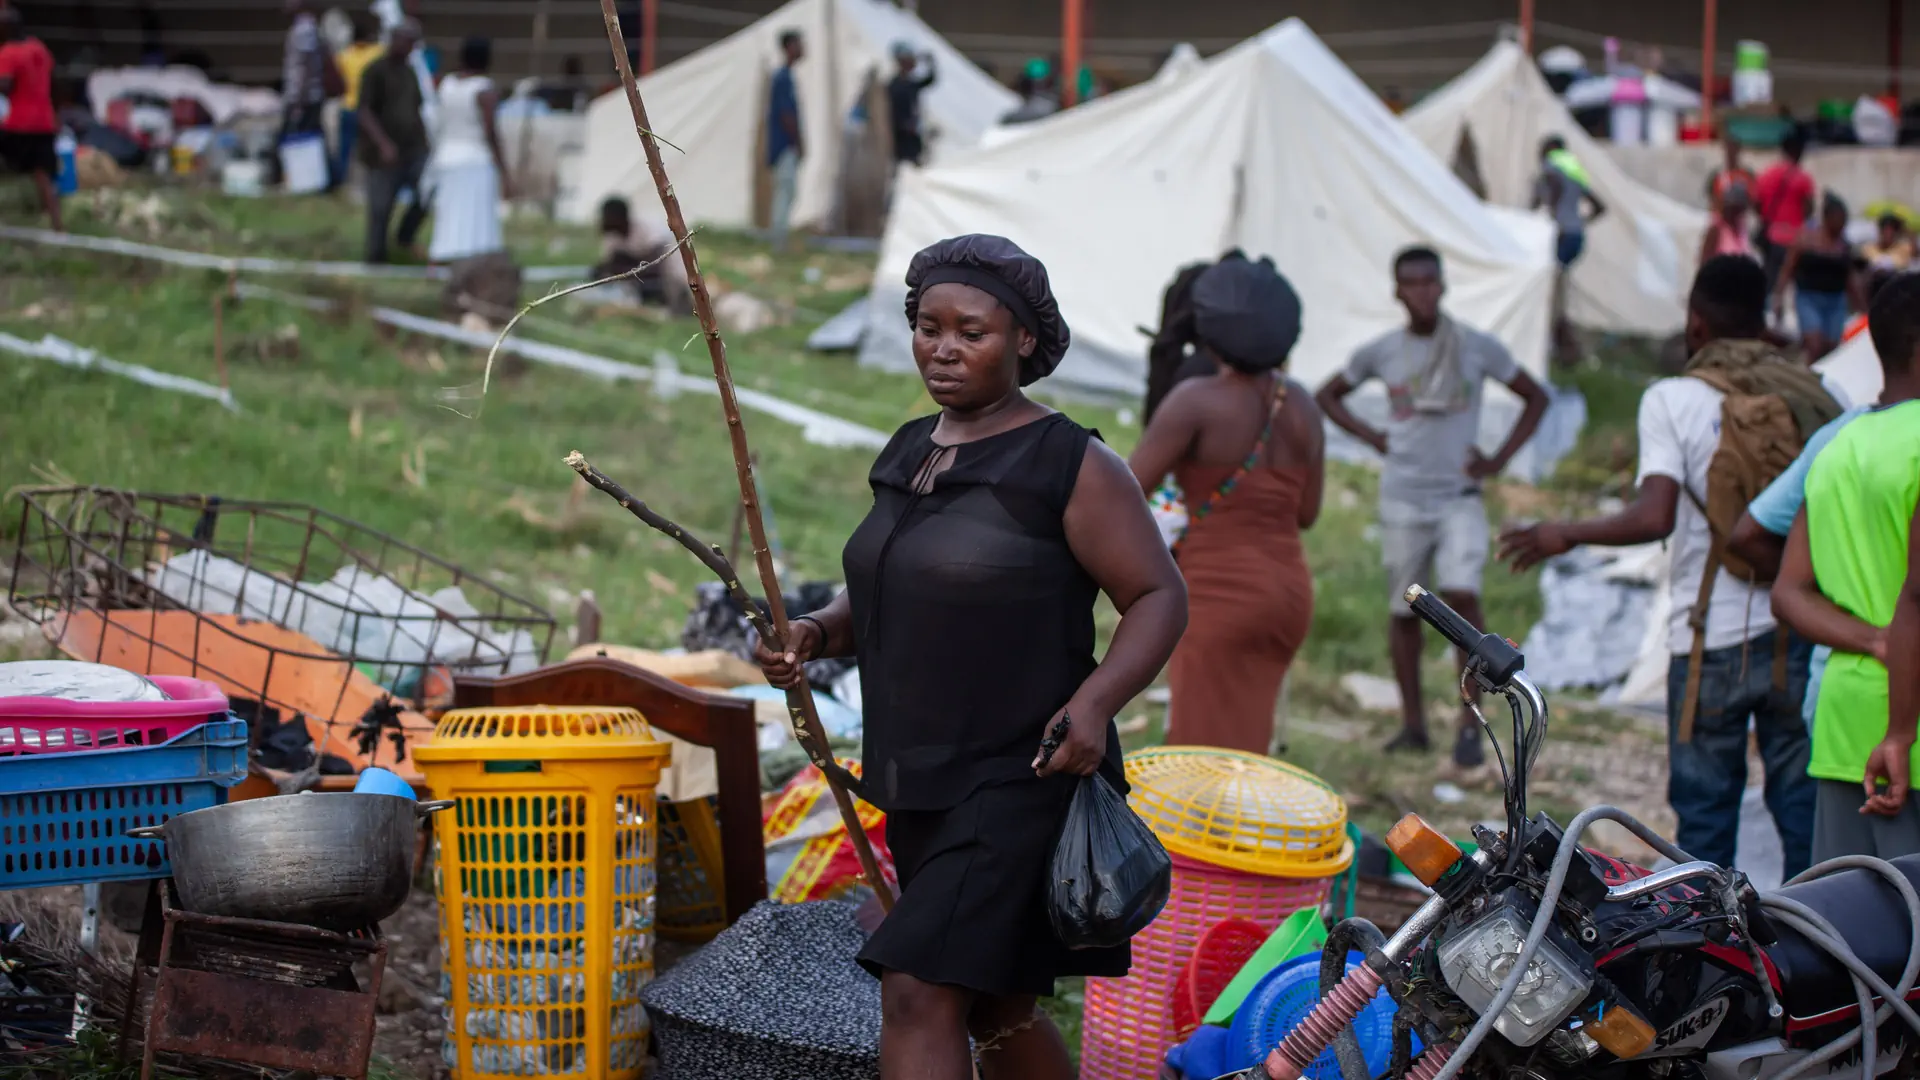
x: 1110, y: 876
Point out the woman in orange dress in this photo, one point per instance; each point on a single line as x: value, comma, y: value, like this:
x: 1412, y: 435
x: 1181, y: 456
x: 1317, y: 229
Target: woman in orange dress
x: 1246, y: 447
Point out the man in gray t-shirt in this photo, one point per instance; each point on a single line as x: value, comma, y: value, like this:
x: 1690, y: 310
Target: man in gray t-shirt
x: 1433, y: 525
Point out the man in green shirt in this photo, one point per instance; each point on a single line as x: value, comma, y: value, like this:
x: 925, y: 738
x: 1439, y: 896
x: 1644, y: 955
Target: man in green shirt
x: 1843, y: 574
x: 393, y: 141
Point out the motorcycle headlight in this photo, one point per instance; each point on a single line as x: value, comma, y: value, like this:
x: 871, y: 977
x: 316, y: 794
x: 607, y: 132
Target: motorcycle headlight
x: 1479, y: 959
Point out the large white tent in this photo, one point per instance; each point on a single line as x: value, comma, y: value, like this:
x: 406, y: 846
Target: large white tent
x: 1640, y: 257
x: 713, y: 104
x: 1274, y: 147
x: 1852, y: 371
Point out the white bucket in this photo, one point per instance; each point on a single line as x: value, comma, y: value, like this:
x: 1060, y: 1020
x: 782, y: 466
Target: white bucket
x: 245, y: 179
x: 303, y: 164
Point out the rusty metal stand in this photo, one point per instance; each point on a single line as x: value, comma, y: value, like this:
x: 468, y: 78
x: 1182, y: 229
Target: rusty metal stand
x: 278, y: 995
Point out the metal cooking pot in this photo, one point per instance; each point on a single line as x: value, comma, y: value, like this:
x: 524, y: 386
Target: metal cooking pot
x: 337, y: 860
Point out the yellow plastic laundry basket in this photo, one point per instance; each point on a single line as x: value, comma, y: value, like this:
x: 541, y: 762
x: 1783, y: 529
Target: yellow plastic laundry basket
x: 546, y: 879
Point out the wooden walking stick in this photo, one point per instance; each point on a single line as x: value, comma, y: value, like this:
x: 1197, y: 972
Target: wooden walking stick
x: 800, y: 709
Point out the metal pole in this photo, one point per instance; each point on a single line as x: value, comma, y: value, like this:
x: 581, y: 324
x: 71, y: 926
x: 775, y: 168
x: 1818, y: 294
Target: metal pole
x: 1072, y: 14
x: 526, y: 116
x: 1894, y: 30
x: 1526, y: 26
x: 649, y: 33
x: 1708, y: 18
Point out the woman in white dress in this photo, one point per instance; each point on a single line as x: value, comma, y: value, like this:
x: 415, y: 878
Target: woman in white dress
x: 467, y: 172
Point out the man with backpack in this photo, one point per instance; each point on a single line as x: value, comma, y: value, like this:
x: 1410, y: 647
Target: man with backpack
x: 1710, y: 441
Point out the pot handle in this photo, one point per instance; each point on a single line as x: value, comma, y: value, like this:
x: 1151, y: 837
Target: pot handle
x: 148, y: 832
x: 433, y: 807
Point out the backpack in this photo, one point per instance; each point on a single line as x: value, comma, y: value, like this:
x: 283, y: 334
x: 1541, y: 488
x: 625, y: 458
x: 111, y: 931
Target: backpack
x: 1760, y: 436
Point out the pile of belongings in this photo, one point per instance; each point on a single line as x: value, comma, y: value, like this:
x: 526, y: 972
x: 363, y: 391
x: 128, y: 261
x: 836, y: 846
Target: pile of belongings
x: 809, y: 854
x: 356, y: 613
x: 714, y: 623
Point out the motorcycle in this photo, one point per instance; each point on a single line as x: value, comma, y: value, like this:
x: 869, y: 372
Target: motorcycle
x: 1536, y: 958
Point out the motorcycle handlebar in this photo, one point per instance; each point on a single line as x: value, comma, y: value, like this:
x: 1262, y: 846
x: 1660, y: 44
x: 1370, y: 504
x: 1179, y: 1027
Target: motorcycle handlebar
x: 1493, y: 660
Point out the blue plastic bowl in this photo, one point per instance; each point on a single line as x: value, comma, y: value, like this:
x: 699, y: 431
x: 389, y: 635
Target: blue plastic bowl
x: 1284, y: 997
x: 377, y: 781
x: 1204, y: 1055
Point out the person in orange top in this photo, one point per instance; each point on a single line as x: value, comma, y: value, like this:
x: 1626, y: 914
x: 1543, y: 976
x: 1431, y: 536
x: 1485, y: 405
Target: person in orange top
x: 26, y: 133
x: 1728, y: 176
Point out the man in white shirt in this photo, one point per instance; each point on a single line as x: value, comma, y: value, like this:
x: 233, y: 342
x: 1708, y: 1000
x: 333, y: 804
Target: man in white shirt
x: 1679, y: 431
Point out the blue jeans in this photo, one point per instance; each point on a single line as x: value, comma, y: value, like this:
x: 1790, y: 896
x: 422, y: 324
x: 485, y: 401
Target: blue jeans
x: 343, y: 155
x: 1823, y: 313
x: 1707, y: 776
x: 786, y: 182
x: 1568, y: 247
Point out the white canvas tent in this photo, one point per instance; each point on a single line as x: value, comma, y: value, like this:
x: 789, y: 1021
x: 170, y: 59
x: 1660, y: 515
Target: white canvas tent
x: 1640, y: 257
x: 713, y: 104
x: 1274, y: 147
x: 1181, y: 62
x: 1853, y: 370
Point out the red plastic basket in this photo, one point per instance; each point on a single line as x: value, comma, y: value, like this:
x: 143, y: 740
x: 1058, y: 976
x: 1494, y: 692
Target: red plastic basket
x: 1129, y: 1024
x: 1221, y: 953
x: 40, y: 725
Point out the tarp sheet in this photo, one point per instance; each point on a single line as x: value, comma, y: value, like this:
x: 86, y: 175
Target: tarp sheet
x: 1274, y: 147
x: 712, y: 105
x: 1640, y: 257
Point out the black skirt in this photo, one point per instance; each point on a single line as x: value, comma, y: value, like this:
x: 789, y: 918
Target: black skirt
x: 972, y: 909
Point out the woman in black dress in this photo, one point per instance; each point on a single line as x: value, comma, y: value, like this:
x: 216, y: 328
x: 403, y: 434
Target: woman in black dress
x: 969, y: 604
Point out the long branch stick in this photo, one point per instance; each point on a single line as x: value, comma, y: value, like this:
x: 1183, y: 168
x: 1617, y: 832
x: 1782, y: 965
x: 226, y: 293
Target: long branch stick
x: 800, y: 708
x: 715, y: 560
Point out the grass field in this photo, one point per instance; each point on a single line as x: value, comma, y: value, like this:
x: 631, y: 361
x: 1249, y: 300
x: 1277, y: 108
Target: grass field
x: 341, y: 413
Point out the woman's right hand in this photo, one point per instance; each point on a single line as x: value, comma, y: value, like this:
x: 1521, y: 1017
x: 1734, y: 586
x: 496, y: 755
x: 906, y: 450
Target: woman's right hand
x: 783, y: 669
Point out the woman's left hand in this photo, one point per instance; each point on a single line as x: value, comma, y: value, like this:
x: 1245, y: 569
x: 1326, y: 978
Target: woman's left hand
x: 1084, y: 747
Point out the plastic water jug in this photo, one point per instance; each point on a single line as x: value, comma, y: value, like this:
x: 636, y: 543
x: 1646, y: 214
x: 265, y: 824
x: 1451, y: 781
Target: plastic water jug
x: 67, y: 180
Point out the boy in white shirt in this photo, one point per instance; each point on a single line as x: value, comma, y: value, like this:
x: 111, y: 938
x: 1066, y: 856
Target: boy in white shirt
x: 1679, y: 432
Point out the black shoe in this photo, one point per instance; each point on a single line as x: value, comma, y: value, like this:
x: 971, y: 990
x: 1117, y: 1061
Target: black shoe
x: 1410, y: 742
x: 1468, y: 753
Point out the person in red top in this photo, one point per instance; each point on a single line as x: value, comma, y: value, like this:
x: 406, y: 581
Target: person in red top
x: 1784, y: 197
x: 26, y: 133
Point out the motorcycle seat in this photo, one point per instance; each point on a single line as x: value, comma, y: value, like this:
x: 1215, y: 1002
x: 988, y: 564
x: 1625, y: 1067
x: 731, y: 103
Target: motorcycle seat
x: 1872, y: 920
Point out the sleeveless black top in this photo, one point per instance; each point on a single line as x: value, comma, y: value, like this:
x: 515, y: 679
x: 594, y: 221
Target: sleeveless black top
x: 972, y: 621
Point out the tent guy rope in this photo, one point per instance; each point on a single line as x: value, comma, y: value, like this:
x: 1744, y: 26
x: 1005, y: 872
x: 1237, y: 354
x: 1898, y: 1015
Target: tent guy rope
x: 800, y: 707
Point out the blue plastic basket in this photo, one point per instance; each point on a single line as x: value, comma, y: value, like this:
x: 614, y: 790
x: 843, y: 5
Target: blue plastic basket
x: 64, y: 817
x: 1282, y: 999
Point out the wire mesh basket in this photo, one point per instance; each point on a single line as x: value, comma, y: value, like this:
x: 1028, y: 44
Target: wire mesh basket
x: 296, y: 613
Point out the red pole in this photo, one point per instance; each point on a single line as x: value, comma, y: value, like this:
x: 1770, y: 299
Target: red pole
x: 1894, y: 30
x: 1708, y: 18
x: 1071, y: 14
x: 1526, y: 26
x: 649, y: 33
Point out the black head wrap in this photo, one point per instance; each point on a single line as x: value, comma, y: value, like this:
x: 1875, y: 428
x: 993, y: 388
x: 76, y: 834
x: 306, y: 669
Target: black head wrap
x: 997, y: 267
x: 1246, y: 312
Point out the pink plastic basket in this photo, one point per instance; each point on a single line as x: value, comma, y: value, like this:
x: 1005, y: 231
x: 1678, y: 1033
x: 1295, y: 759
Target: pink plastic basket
x: 1129, y: 1023
x: 40, y: 725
